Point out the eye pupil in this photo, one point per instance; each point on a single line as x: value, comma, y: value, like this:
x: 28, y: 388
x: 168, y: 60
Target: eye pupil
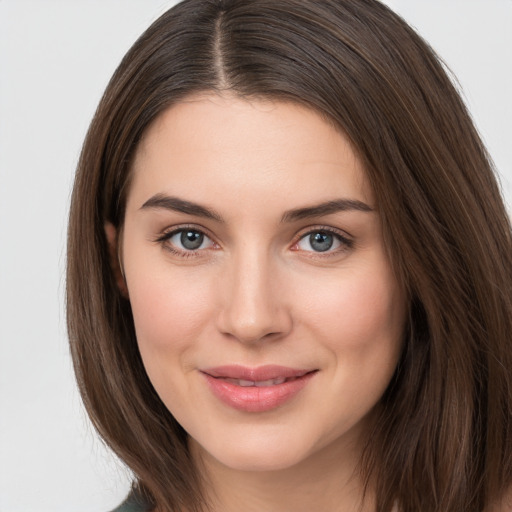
x: 191, y: 240
x: 321, y: 242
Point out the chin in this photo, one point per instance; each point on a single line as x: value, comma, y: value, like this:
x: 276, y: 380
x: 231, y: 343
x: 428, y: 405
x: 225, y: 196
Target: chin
x: 260, y: 460
x: 254, y: 453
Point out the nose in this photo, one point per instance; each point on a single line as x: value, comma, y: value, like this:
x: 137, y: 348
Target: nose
x: 254, y: 307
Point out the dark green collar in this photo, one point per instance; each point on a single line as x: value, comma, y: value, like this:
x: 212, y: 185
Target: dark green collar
x: 133, y: 503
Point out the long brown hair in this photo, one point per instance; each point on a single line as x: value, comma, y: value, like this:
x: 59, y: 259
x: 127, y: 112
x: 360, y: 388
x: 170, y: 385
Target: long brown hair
x: 443, y: 441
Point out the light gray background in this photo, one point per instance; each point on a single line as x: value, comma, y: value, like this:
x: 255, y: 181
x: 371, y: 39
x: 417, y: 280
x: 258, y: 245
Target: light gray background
x: 55, y: 60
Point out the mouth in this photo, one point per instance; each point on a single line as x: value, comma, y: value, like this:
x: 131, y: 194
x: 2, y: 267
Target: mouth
x: 259, y: 374
x: 259, y: 383
x: 256, y: 389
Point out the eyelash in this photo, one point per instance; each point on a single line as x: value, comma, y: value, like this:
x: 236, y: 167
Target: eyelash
x: 164, y: 238
x: 345, y: 242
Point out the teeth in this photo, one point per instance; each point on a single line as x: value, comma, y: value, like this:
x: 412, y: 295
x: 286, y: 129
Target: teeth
x: 271, y: 382
x: 258, y: 384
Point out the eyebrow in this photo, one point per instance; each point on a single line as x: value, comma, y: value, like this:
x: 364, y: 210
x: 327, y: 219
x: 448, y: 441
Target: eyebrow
x: 190, y: 208
x: 327, y: 208
x: 180, y: 205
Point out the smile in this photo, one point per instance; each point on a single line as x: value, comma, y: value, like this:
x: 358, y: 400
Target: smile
x: 258, y: 383
x: 256, y: 389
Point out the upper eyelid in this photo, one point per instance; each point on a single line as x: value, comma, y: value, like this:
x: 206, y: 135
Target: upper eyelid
x: 170, y: 231
x: 328, y: 229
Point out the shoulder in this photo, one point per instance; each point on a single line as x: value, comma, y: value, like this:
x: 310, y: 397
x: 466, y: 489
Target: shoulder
x: 133, y: 503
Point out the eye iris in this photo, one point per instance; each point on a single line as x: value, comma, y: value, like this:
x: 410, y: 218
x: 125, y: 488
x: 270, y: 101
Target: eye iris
x: 321, y: 242
x: 191, y: 239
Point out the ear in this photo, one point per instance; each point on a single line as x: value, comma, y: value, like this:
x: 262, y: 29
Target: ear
x: 114, y: 249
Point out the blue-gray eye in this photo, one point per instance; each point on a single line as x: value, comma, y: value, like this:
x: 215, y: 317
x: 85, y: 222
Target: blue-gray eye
x: 319, y: 241
x: 189, y: 240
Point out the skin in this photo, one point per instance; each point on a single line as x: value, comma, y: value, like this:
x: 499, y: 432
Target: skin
x: 258, y: 292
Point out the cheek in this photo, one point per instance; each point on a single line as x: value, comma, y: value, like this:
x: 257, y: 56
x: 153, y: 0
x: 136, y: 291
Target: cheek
x: 360, y: 322
x: 359, y: 319
x: 170, y: 313
x: 169, y: 308
x: 357, y: 308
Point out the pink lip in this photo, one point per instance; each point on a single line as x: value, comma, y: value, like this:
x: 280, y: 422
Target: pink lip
x: 253, y: 398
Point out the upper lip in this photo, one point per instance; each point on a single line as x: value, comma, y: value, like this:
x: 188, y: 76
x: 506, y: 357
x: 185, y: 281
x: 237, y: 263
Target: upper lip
x: 260, y: 373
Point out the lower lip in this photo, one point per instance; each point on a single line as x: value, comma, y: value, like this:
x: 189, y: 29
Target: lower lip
x: 253, y: 398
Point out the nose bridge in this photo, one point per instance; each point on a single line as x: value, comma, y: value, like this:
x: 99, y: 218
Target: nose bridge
x: 253, y: 307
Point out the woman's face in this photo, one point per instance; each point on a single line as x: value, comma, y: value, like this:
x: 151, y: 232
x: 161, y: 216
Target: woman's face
x: 266, y: 311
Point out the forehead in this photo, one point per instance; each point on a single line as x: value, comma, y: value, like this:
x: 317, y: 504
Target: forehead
x: 254, y: 148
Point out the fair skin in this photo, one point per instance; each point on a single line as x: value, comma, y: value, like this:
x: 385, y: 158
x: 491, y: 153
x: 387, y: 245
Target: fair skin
x: 252, y: 238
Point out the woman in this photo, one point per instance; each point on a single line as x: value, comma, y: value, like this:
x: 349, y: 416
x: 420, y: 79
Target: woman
x: 289, y: 270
